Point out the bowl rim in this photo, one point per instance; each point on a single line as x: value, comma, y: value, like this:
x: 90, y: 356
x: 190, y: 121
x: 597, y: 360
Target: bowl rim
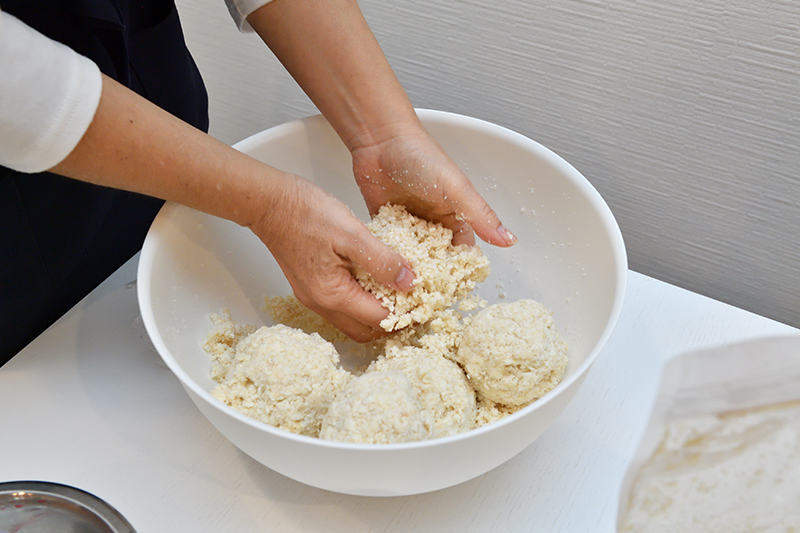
x: 152, y: 241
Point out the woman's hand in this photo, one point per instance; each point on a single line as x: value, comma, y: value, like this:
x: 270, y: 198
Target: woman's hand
x: 316, y: 240
x: 133, y: 145
x: 329, y: 49
x: 412, y: 169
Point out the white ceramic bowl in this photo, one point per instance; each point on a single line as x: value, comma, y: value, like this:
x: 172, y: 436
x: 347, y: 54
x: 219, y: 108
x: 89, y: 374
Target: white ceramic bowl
x: 570, y: 256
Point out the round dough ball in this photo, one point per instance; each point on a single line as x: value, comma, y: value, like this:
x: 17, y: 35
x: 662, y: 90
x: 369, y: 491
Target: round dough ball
x: 377, y: 408
x: 440, y: 385
x: 283, y: 377
x: 513, y: 353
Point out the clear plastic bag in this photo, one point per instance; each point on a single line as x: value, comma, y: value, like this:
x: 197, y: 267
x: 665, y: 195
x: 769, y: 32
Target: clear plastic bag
x: 732, y: 378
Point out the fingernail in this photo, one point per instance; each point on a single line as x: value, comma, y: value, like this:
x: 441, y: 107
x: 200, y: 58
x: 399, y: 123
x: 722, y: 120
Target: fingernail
x: 405, y: 280
x: 505, y: 234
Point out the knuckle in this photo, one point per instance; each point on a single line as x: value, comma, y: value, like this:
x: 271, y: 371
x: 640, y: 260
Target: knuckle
x: 485, y: 212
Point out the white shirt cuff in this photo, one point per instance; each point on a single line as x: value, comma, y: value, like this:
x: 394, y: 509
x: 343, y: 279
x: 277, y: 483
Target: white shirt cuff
x: 48, y: 97
x: 240, y: 9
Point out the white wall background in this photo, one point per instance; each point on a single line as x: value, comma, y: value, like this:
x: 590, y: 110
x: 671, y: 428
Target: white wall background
x: 685, y: 115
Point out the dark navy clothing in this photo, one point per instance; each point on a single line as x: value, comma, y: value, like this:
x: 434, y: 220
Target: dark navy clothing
x: 59, y: 238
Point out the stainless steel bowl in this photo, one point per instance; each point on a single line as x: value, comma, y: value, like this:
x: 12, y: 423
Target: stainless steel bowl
x: 38, y: 506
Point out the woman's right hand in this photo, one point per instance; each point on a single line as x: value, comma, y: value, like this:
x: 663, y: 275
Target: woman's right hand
x: 133, y: 145
x: 317, y: 241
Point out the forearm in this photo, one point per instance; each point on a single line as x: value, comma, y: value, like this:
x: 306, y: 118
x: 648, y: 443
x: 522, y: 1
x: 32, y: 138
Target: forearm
x: 132, y: 144
x: 329, y: 49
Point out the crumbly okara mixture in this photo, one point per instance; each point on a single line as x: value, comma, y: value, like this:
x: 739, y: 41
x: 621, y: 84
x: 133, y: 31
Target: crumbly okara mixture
x: 278, y: 375
x: 444, y: 273
x: 487, y: 411
x: 378, y: 407
x: 440, y: 385
x: 733, y: 472
x: 424, y: 357
x: 513, y: 353
x: 416, y: 388
x: 221, y: 342
x: 288, y: 310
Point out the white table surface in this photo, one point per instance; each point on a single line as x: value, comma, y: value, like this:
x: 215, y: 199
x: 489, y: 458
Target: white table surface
x: 90, y: 404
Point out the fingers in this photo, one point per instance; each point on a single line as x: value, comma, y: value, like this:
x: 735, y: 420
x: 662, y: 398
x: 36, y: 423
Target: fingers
x: 474, y: 216
x: 492, y: 231
x: 469, y: 208
x: 317, y: 244
x: 355, y: 311
x: 381, y: 262
x: 462, y: 232
x: 430, y: 185
x: 473, y: 210
x: 352, y: 328
x: 332, y: 291
x: 350, y: 308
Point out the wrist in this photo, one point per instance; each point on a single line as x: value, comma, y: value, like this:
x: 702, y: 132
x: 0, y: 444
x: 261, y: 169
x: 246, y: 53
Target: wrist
x: 374, y: 133
x: 262, y: 207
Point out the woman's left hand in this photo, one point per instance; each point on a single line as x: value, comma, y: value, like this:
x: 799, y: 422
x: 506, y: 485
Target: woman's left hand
x: 410, y: 168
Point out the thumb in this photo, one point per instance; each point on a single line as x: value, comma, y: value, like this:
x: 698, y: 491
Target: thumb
x: 386, y: 266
